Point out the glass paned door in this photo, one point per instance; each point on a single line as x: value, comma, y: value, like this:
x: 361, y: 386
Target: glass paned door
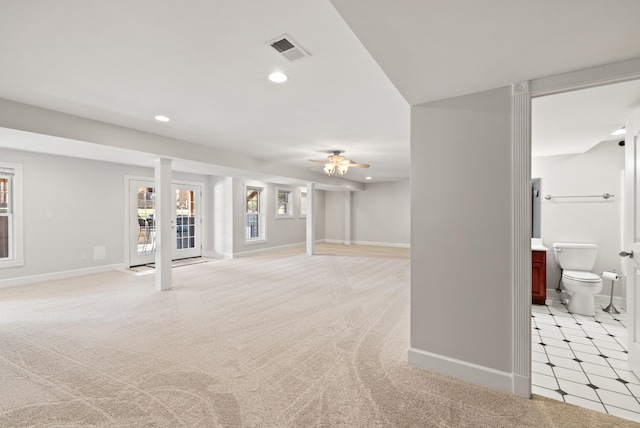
x: 186, y: 222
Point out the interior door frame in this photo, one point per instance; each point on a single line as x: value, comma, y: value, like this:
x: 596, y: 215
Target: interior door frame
x: 631, y: 210
x: 128, y: 209
x: 522, y: 93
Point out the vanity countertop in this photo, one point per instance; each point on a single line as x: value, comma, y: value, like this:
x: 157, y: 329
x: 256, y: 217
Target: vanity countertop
x: 536, y: 245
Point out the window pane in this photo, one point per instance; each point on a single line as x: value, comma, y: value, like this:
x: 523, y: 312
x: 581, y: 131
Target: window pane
x: 253, y: 200
x: 4, y: 195
x: 254, y: 213
x: 252, y: 226
x: 4, y: 236
x: 185, y: 218
x: 146, y: 222
x: 283, y: 202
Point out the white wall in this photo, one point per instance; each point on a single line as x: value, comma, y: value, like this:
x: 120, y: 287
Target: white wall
x: 319, y: 212
x: 334, y: 217
x: 590, y: 220
x: 461, y: 268
x: 381, y: 213
x: 85, y: 200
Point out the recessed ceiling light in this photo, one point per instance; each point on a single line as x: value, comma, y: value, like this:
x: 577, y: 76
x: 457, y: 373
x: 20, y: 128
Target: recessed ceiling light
x: 162, y: 118
x: 620, y: 131
x: 368, y: 178
x: 278, y: 77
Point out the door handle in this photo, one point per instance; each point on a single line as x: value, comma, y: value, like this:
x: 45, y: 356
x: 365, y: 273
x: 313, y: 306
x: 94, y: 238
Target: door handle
x: 625, y: 254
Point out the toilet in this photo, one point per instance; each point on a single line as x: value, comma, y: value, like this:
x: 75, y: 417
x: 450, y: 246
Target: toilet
x: 576, y: 262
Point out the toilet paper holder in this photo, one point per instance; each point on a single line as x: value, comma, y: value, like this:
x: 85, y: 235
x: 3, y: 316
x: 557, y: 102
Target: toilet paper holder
x: 613, y: 276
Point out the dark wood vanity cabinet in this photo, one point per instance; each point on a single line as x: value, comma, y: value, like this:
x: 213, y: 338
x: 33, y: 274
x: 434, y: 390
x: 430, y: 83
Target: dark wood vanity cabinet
x: 539, y: 277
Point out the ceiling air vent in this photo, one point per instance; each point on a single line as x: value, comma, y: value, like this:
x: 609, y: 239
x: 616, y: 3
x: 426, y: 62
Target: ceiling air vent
x: 286, y: 47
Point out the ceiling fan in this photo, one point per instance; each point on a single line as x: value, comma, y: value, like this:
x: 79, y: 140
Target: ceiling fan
x: 336, y: 164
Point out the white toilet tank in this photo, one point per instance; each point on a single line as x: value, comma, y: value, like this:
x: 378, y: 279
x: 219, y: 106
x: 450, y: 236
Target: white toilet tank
x: 575, y: 256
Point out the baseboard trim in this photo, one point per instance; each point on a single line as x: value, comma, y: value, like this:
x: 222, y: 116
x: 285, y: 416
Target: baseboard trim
x: 32, y: 279
x: 267, y: 249
x: 600, y: 300
x: 522, y: 386
x: 382, y: 244
x: 336, y: 241
x: 328, y: 241
x: 215, y: 255
x: 470, y: 372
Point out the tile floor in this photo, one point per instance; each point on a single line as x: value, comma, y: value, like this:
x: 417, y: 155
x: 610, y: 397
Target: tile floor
x: 582, y: 360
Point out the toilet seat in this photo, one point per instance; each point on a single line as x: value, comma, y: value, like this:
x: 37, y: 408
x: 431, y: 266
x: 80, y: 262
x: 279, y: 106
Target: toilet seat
x: 581, y: 276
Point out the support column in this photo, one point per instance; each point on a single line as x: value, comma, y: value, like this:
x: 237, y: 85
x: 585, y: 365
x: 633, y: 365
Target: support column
x: 311, y: 230
x: 347, y: 217
x: 521, y: 237
x: 163, y: 223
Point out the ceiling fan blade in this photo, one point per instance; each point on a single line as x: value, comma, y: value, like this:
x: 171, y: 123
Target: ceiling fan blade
x: 318, y: 160
x: 358, y: 165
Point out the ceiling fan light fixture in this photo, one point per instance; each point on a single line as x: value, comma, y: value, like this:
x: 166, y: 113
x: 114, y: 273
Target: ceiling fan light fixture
x: 329, y: 168
x: 337, y: 165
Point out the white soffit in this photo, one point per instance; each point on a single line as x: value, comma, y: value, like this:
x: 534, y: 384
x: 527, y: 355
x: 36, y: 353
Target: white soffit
x: 433, y: 50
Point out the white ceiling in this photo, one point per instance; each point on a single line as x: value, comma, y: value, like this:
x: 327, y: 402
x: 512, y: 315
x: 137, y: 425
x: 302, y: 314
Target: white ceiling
x: 574, y: 122
x: 205, y: 64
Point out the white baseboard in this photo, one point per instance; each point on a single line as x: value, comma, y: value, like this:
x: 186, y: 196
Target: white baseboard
x: 32, y: 279
x: 470, y: 372
x: 618, y: 302
x: 382, y: 244
x: 336, y: 241
x: 601, y: 300
x: 328, y: 241
x: 268, y: 249
x: 215, y: 255
x: 522, y: 386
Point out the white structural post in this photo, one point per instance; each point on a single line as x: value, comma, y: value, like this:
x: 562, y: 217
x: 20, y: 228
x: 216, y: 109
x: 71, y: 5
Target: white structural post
x: 163, y: 223
x: 311, y: 232
x: 347, y: 217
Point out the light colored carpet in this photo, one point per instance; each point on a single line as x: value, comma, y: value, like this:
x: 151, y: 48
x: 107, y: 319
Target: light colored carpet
x: 276, y: 340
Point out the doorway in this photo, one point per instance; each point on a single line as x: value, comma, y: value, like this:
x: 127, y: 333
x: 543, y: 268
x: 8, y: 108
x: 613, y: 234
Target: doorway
x: 186, y: 221
x: 579, y: 359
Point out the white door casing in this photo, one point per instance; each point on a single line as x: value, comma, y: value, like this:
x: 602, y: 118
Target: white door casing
x: 631, y: 234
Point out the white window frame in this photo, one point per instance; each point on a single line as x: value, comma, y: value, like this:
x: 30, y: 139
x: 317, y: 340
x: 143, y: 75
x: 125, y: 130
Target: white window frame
x: 14, y: 214
x: 262, y: 224
x: 302, y: 211
x: 289, y: 202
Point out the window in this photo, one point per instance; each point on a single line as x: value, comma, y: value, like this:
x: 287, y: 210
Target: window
x: 284, y: 204
x: 303, y: 203
x: 255, y: 228
x: 10, y: 215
